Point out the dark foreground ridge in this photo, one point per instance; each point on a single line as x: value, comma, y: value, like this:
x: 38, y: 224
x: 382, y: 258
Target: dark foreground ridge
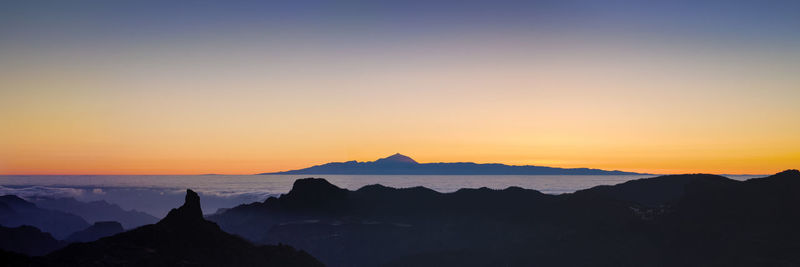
x: 183, y: 238
x: 28, y: 240
x: 675, y: 220
x: 401, y: 164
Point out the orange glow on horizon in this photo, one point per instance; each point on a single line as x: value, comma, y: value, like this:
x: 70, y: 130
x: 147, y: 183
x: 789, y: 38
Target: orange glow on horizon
x: 229, y: 108
x: 233, y: 167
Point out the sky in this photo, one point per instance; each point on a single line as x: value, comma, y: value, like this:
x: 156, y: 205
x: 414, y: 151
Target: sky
x: 241, y: 87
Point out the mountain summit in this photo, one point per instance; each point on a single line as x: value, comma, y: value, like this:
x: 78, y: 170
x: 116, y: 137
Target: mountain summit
x: 402, y: 164
x: 188, y: 214
x: 397, y: 158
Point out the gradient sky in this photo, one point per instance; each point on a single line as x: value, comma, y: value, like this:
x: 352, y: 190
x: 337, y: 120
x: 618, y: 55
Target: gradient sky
x: 237, y: 87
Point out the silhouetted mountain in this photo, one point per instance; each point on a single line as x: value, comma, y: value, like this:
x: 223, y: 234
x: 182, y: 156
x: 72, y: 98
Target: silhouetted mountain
x: 15, y: 211
x: 397, y: 158
x: 676, y: 220
x: 400, y: 164
x: 96, y: 211
x: 28, y: 240
x: 96, y: 231
x: 182, y: 238
x: 750, y: 223
x: 653, y: 191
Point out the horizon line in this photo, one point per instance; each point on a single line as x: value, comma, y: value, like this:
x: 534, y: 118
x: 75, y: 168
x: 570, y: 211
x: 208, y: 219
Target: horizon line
x: 277, y: 172
x: 312, y: 175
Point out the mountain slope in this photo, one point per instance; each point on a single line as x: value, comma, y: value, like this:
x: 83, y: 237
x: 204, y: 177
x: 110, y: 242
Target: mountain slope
x: 15, y: 211
x: 96, y: 211
x: 96, y: 231
x: 28, y: 240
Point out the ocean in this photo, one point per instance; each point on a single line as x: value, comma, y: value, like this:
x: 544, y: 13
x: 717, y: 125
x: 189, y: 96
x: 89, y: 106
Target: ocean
x: 157, y: 194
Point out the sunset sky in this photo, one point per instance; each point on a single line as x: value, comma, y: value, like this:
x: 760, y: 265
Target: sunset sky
x: 239, y: 87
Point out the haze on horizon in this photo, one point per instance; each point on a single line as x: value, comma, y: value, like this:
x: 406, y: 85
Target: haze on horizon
x: 191, y: 87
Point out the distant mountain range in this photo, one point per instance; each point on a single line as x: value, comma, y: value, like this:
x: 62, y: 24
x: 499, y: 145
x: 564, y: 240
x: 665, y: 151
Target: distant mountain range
x: 401, y: 164
x: 97, y: 211
x: 15, y: 211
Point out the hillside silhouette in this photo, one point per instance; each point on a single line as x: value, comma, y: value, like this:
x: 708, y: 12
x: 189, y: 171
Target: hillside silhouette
x: 675, y: 220
x: 401, y: 164
x: 96, y: 211
x: 182, y: 238
x: 15, y: 211
x: 29, y: 229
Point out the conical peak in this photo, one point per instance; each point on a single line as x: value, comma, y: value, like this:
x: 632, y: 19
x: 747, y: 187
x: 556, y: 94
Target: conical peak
x: 397, y: 158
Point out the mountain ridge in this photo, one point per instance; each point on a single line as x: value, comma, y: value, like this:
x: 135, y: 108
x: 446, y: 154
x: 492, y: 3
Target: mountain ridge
x: 182, y: 238
x: 95, y: 211
x: 15, y: 211
x: 402, y: 164
x: 671, y: 220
